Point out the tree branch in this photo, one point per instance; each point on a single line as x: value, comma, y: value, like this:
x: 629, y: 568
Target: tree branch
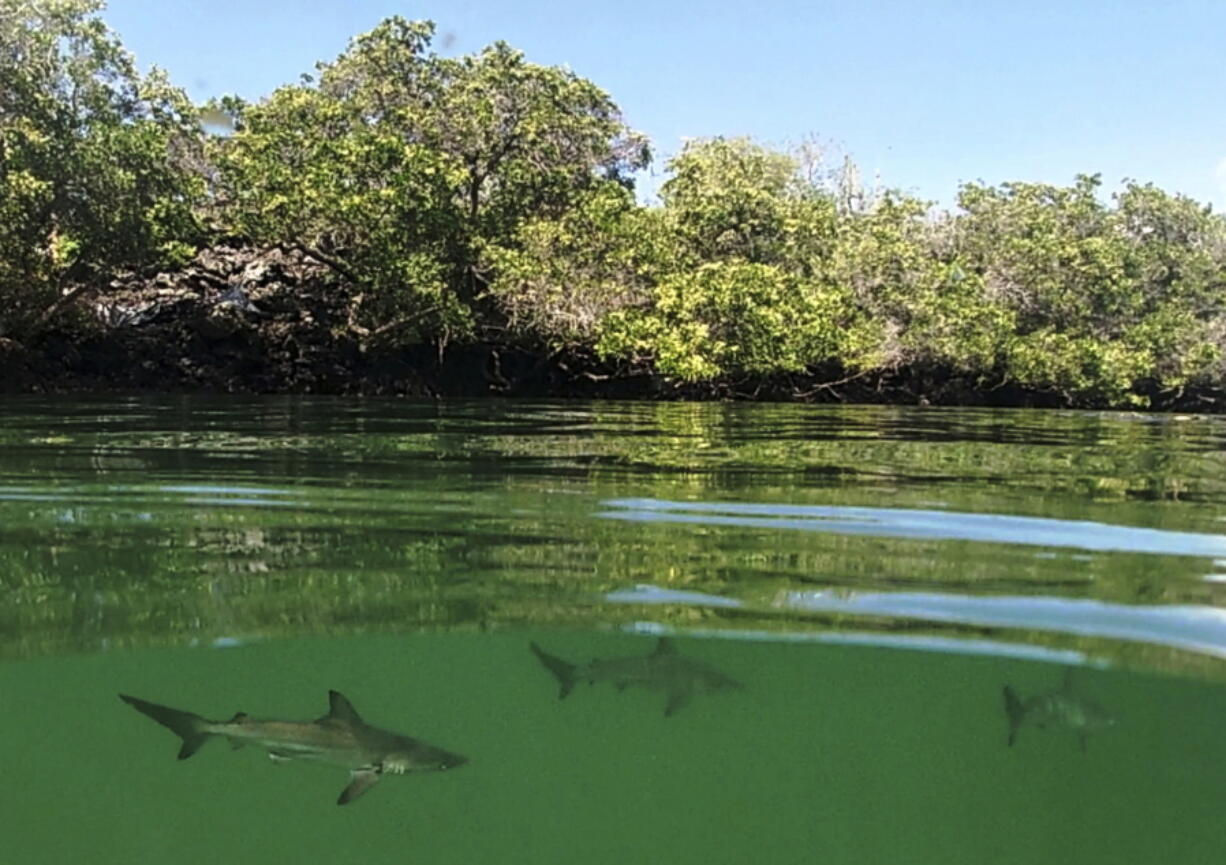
x: 324, y: 259
x: 47, y: 315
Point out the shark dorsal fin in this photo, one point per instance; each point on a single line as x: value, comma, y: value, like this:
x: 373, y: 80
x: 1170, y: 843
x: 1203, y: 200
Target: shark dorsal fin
x: 1066, y: 684
x: 665, y: 647
x: 340, y: 709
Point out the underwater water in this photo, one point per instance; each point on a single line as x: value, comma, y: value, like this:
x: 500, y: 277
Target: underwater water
x: 785, y: 633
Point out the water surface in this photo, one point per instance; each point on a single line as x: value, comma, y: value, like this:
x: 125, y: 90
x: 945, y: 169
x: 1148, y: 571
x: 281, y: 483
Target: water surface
x: 874, y: 576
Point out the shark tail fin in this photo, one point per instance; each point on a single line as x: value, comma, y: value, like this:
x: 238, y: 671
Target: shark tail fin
x: 187, y: 726
x: 1015, y: 711
x: 563, y: 671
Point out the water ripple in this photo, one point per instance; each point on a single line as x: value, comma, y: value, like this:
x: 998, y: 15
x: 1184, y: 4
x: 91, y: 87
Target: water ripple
x: 923, y: 524
x: 909, y: 642
x: 1195, y: 628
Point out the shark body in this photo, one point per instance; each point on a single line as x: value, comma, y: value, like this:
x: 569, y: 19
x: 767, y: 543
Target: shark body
x: 339, y: 738
x: 1058, y: 708
x: 664, y: 669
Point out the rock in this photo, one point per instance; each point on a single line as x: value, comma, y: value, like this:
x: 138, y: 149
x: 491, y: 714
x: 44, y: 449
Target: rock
x: 235, y: 319
x: 256, y: 272
x: 218, y: 325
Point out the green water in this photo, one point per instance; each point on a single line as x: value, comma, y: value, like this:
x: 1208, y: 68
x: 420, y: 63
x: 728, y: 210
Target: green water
x: 872, y: 577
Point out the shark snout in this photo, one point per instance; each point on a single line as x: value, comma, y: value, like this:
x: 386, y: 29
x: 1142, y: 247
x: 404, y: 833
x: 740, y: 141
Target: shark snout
x: 442, y: 760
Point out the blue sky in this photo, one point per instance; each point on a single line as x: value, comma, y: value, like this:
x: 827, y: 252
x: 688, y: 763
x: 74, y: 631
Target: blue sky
x: 923, y: 95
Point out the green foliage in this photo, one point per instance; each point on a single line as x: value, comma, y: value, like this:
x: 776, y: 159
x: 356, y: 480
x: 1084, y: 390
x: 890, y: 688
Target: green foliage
x: 488, y: 197
x: 726, y: 278
x: 928, y: 304
x: 731, y: 199
x: 558, y: 280
x: 739, y: 317
x: 770, y: 273
x: 771, y: 276
x: 401, y: 166
x: 751, y: 267
x: 308, y: 170
x: 98, y: 164
x: 529, y: 137
x: 1104, y: 299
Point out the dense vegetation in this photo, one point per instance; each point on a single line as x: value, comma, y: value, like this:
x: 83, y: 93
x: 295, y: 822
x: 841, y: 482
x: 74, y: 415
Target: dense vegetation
x: 100, y: 167
x: 486, y: 199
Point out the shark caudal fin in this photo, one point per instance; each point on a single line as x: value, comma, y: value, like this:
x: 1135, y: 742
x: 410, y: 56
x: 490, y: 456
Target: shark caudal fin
x: 1015, y: 711
x: 563, y: 671
x: 186, y: 725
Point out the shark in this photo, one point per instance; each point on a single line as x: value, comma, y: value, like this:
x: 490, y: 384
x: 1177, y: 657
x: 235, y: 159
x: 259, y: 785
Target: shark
x: 664, y: 669
x: 1059, y: 708
x: 339, y: 738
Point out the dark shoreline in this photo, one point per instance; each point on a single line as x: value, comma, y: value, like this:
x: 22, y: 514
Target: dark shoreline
x: 274, y: 322
x: 118, y: 364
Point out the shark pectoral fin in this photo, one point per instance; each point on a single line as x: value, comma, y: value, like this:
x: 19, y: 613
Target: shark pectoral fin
x: 363, y: 780
x: 677, y: 700
x: 278, y: 757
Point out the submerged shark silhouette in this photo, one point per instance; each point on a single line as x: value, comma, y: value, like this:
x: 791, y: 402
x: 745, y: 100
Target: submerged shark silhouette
x: 339, y: 738
x: 1061, y: 708
x: 664, y: 669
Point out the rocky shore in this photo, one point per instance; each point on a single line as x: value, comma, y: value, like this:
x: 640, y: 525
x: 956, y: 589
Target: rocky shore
x: 243, y: 320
